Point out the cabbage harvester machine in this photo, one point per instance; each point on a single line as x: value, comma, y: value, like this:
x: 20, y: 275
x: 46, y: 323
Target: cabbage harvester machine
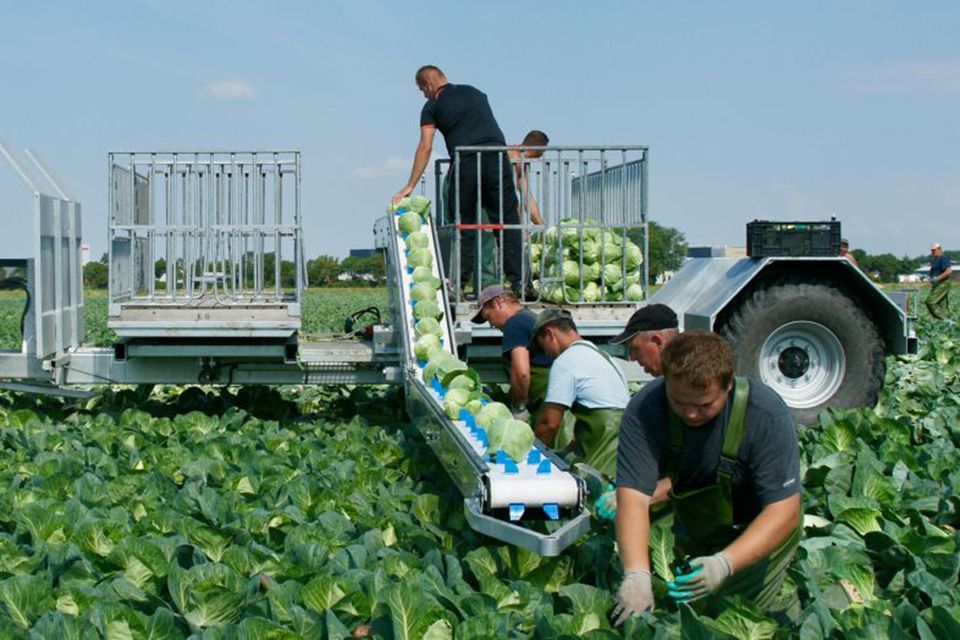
x: 201, y: 248
x: 197, y: 244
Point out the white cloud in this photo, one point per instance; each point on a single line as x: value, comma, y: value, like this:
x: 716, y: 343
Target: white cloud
x: 393, y: 165
x: 230, y: 90
x: 925, y: 75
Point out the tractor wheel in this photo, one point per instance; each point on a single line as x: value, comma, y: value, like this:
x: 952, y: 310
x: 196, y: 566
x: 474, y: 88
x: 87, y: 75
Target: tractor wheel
x: 811, y: 343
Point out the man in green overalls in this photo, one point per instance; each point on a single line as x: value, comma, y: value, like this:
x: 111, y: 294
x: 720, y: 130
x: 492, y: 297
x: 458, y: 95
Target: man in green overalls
x: 940, y: 280
x: 729, y: 447
x: 528, y: 367
x: 586, y: 381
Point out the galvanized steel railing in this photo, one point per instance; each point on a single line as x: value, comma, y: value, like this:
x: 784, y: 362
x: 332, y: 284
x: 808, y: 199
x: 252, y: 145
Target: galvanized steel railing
x: 600, y: 187
x: 189, y: 228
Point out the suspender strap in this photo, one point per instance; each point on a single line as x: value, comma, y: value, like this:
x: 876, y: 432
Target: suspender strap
x: 606, y: 357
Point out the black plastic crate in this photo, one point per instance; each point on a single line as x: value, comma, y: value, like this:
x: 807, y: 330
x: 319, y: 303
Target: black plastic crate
x: 769, y: 238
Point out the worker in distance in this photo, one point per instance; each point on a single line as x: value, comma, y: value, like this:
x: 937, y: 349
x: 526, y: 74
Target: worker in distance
x: 729, y: 447
x: 585, y: 381
x: 528, y: 367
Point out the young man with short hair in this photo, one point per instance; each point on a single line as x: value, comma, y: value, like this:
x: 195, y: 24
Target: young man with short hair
x: 730, y: 449
x: 587, y: 382
x: 527, y: 365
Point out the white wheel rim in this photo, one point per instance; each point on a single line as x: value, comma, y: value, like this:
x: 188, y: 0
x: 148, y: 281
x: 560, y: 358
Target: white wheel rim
x: 804, y: 362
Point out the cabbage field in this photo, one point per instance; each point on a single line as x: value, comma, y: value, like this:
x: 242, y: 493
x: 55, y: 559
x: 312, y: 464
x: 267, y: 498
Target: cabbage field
x: 318, y: 512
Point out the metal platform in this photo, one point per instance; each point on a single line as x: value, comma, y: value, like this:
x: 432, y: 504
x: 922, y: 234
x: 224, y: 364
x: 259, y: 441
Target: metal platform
x: 205, y: 244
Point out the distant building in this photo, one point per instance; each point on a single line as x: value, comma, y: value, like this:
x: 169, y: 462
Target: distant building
x: 84, y: 254
x: 920, y: 274
x: 362, y: 253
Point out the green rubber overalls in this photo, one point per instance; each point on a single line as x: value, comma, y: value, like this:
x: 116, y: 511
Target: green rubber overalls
x: 703, y: 518
x: 597, y: 431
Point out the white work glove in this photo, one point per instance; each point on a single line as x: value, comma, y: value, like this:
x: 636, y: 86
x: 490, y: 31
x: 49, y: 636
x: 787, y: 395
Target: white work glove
x: 520, y: 413
x: 635, y: 596
x: 713, y: 571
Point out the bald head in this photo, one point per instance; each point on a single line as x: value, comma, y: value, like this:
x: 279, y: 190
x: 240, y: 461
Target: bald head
x: 429, y: 72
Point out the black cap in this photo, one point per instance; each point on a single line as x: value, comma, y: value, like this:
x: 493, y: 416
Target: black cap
x: 652, y: 317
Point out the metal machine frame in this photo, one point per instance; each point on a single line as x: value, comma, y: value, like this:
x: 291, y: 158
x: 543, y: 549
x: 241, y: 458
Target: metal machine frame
x: 220, y: 327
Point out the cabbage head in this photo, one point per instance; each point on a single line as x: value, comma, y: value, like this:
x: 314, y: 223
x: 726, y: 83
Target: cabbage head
x: 633, y: 277
x: 420, y: 258
x: 613, y: 274
x: 474, y: 406
x: 426, y: 346
x: 427, y: 309
x: 552, y: 292
x: 410, y: 222
x: 632, y: 256
x: 536, y: 250
x: 404, y: 203
x: 417, y: 240
x: 419, y: 204
x: 592, y: 292
x: 428, y: 327
x: 462, y: 381
x: 492, y: 412
x: 535, y: 268
x: 437, y: 363
x: 571, y: 273
x: 514, y: 437
x: 611, y: 248
x: 423, y: 291
x: 635, y: 293
x: 613, y: 295
x: 591, y: 272
x: 425, y: 274
x: 453, y: 401
x: 589, y: 250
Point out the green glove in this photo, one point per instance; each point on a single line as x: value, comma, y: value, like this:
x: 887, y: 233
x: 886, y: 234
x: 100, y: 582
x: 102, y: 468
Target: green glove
x: 607, y: 504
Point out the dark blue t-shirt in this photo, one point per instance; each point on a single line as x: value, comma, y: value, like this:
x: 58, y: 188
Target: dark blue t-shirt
x: 939, y: 265
x: 768, y: 462
x: 517, y: 332
x: 464, y: 117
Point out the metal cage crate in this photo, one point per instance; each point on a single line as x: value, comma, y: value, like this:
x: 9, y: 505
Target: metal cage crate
x: 205, y: 244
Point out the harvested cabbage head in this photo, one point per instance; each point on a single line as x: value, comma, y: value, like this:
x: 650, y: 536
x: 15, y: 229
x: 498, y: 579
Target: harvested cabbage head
x: 426, y: 346
x: 420, y: 258
x: 417, y: 240
x: 423, y: 291
x: 427, y: 309
x: 492, y: 412
x: 420, y: 204
x: 428, y: 326
x: 514, y: 437
x: 410, y: 222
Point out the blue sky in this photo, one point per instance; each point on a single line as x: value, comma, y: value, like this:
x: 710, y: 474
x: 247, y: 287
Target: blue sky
x: 751, y: 109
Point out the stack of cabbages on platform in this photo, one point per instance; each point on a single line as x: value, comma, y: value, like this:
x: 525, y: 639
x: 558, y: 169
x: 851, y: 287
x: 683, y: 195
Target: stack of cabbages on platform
x: 611, y: 264
x: 458, y: 385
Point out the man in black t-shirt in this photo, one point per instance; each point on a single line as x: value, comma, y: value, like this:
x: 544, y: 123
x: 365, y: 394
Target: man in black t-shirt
x: 462, y: 114
x: 729, y: 449
x: 528, y: 367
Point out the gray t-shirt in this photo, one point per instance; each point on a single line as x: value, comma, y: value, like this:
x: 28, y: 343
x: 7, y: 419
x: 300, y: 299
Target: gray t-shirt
x: 768, y: 462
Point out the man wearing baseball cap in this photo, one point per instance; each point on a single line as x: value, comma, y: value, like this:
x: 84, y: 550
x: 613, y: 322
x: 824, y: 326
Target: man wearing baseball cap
x: 527, y: 365
x: 648, y: 331
x: 586, y: 381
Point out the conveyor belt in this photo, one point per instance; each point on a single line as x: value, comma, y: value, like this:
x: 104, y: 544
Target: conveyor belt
x: 501, y: 496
